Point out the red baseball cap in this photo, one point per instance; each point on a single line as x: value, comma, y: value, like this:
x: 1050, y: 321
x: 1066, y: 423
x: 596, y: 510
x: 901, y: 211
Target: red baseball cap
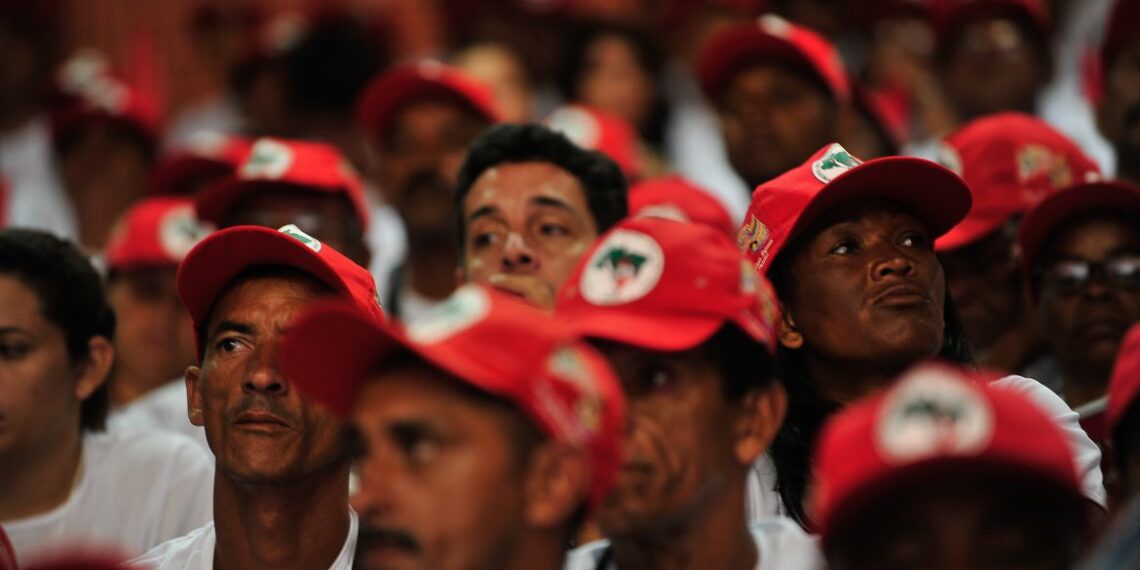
x: 769, y: 39
x: 403, y: 84
x: 157, y: 231
x: 206, y: 157
x: 216, y: 260
x: 675, y: 197
x: 665, y: 285
x: 787, y: 205
x: 1047, y: 217
x: 1011, y: 161
x: 1124, y: 386
x: 594, y: 129
x: 276, y: 163
x: 486, y: 339
x: 91, y: 92
x: 934, y: 419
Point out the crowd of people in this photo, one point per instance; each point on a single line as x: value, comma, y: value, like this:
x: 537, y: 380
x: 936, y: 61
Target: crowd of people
x: 657, y: 285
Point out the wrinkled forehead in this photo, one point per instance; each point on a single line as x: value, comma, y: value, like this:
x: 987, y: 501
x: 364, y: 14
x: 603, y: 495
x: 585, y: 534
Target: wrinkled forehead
x: 266, y: 292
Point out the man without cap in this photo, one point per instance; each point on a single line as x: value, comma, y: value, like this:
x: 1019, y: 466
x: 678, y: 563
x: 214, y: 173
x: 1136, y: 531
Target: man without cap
x: 1011, y: 162
x: 282, y: 181
x: 530, y: 204
x: 946, y: 470
x: 485, y: 434
x: 281, y: 483
x: 422, y: 117
x: 688, y: 326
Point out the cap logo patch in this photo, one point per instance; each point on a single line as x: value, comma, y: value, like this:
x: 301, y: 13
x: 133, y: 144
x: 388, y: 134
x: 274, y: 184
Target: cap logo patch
x: 775, y: 26
x: 465, y: 307
x: 625, y: 267
x: 567, y: 364
x: 835, y: 161
x: 1034, y: 161
x: 578, y: 126
x: 752, y: 235
x: 268, y: 159
x: 933, y: 414
x: 296, y: 233
x: 179, y: 231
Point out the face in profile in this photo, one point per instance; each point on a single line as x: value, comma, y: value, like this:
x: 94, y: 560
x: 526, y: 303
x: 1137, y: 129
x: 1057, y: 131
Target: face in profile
x: 993, y: 65
x: 259, y: 428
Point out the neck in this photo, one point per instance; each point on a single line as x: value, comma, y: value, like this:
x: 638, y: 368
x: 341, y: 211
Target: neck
x: 845, y: 382
x: 41, y: 479
x: 432, y: 276
x: 1084, y: 382
x: 126, y: 386
x: 716, y: 536
x: 281, y: 526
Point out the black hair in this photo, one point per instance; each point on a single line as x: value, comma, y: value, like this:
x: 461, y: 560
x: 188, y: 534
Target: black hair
x: 745, y: 365
x: 601, y: 179
x: 331, y: 64
x: 1124, y: 442
x: 72, y: 297
x: 808, y: 410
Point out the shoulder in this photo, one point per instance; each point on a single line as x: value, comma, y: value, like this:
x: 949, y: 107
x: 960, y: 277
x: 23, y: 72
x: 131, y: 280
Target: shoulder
x: 784, y: 545
x: 586, y: 557
x: 150, y: 455
x: 185, y: 552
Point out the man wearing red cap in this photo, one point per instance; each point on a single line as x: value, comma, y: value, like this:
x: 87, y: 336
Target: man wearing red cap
x: 422, y: 117
x: 530, y: 204
x: 1118, y: 114
x: 780, y: 91
x: 1123, y: 421
x: 308, y: 184
x: 945, y: 471
x: 281, y: 482
x: 1011, y: 162
x: 1081, y: 251
x: 486, y: 434
x: 154, y: 340
x: 689, y: 327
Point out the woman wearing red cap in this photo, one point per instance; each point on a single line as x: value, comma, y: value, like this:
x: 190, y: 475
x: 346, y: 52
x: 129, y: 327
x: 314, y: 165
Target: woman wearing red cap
x: 849, y: 247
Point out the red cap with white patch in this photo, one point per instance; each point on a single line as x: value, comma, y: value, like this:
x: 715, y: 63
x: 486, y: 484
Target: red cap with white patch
x: 675, y: 197
x: 485, y: 339
x: 665, y: 285
x: 389, y: 92
x: 154, y: 232
x: 594, y: 129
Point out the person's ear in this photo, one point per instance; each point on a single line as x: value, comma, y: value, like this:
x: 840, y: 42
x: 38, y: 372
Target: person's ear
x: 557, y: 484
x: 761, y: 415
x: 95, y: 369
x: 194, y: 396
x: 790, y: 337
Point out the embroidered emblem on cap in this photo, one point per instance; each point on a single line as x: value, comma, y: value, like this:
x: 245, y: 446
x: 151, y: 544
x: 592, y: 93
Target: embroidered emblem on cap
x: 465, y: 307
x: 267, y: 159
x: 625, y: 267
x: 1035, y: 161
x: 568, y: 364
x: 932, y: 414
x: 296, y: 233
x: 179, y: 231
x: 752, y: 235
x: 835, y: 161
x: 578, y: 126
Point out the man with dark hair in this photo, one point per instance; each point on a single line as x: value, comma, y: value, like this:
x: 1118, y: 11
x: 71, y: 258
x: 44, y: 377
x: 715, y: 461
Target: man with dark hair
x: 281, y: 483
x: 530, y: 203
x: 63, y: 483
x: 689, y: 327
x: 485, y: 433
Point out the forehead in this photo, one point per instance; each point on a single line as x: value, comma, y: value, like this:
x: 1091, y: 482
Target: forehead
x: 763, y: 75
x: 271, y: 297
x: 1095, y: 234
x: 410, y: 389
x: 868, y: 211
x: 512, y: 183
x: 432, y: 114
x: 18, y: 302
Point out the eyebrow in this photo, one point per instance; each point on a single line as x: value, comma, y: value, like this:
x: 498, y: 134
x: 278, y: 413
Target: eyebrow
x: 551, y: 202
x: 231, y: 326
x: 482, y: 212
x: 8, y: 330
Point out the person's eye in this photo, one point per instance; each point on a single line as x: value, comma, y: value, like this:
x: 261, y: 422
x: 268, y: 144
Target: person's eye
x: 227, y: 345
x: 1068, y: 276
x: 916, y: 240
x: 553, y: 230
x: 417, y: 445
x: 14, y: 350
x: 484, y: 239
x: 844, y: 247
x: 1125, y: 270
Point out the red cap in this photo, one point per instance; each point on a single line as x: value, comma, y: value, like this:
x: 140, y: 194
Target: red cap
x: 402, y: 84
x: 769, y: 39
x: 788, y: 204
x: 206, y: 157
x: 1044, y: 220
x: 92, y: 93
x: 1011, y: 161
x: 665, y: 285
x: 954, y: 14
x: 275, y: 163
x: 676, y: 198
x: 216, y: 260
x: 1124, y: 386
x: 1122, y: 24
x: 492, y: 342
x: 156, y: 231
x: 593, y: 129
x: 935, y: 418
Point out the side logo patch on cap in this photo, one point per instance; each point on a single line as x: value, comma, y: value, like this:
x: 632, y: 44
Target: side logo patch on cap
x: 296, y: 233
x: 835, y: 161
x: 933, y: 414
x: 179, y: 231
x: 625, y: 267
x: 1037, y: 161
x: 752, y: 235
x: 465, y: 307
x: 267, y: 159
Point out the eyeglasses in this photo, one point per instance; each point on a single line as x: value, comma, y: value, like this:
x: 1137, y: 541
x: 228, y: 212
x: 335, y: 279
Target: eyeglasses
x: 1071, y: 275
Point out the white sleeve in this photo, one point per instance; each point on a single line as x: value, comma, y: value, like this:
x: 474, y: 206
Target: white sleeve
x: 1085, y: 451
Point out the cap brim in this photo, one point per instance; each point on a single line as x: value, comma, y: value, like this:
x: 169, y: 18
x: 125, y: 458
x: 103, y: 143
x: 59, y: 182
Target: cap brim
x: 749, y: 46
x: 385, y: 97
x: 969, y: 230
x: 1050, y: 214
x: 935, y: 195
x: 663, y: 332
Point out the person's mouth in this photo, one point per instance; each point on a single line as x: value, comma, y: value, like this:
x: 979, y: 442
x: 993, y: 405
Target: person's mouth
x: 902, y: 295
x: 260, y: 421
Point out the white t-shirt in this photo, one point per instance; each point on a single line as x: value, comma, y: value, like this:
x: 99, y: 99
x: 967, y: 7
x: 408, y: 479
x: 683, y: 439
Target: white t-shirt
x: 36, y: 196
x: 135, y: 491
x: 163, y: 408
x: 763, y: 501
x: 195, y: 551
x: 780, y: 541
